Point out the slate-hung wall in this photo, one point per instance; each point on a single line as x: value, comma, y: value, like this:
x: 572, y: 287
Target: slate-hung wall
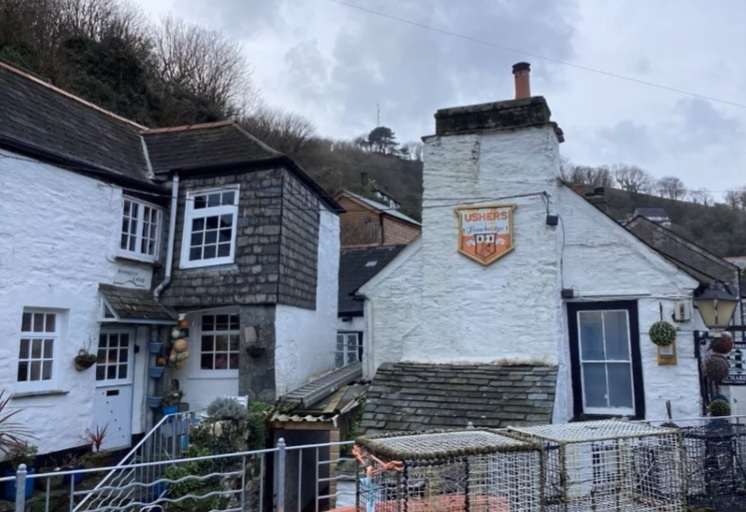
x: 275, y: 252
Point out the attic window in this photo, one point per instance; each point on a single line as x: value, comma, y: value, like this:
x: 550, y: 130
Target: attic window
x: 139, y: 236
x: 371, y: 264
x: 210, y: 228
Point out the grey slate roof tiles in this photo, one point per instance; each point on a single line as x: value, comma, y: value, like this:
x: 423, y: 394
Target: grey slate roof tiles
x: 357, y: 267
x: 417, y: 396
x: 130, y: 303
x: 203, y: 145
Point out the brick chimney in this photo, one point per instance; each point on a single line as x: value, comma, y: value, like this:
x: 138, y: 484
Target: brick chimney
x: 522, y: 72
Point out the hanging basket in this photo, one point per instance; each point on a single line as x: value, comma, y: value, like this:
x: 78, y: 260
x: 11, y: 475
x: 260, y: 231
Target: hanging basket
x: 155, y: 347
x: 662, y: 333
x: 156, y: 372
x: 154, y: 402
x: 716, y: 368
x: 84, y: 360
x: 722, y: 345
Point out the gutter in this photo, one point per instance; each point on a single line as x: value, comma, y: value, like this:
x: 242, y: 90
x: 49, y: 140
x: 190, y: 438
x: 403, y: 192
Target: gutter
x: 171, y: 235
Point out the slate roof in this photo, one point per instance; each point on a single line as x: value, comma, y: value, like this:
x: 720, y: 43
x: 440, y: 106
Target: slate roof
x: 696, y: 261
x: 209, y: 144
x: 357, y: 267
x: 134, y: 304
x: 35, y: 115
x: 383, y: 208
x: 417, y: 396
x: 651, y: 213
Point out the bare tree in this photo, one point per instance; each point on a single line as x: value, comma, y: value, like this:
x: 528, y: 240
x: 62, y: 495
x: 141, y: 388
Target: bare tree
x: 633, y: 179
x: 736, y: 198
x: 413, y: 150
x: 203, y: 62
x: 670, y: 187
x: 285, y: 131
x: 585, y: 174
x: 701, y: 196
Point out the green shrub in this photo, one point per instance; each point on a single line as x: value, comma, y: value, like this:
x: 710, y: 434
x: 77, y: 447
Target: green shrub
x: 226, y: 409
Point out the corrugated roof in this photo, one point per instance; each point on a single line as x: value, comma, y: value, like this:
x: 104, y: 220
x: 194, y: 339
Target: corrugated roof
x: 385, y: 209
x: 316, y: 390
x: 357, y: 267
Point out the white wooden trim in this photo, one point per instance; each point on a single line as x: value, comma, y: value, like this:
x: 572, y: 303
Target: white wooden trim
x: 216, y: 210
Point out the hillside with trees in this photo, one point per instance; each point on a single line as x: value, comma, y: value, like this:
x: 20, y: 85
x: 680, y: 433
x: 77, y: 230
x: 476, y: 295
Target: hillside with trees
x: 171, y: 73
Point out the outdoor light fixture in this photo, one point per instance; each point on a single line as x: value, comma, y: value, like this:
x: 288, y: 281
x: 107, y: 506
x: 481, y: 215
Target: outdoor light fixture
x: 716, y: 305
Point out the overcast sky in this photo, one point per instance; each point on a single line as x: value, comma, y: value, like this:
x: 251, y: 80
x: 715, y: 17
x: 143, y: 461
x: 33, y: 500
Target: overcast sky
x: 333, y: 64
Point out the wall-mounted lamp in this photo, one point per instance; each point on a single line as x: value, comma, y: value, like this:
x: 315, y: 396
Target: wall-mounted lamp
x: 716, y: 305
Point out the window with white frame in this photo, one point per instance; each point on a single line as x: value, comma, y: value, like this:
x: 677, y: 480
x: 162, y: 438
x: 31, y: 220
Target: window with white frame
x: 140, y: 230
x: 349, y: 349
x: 606, y: 362
x: 219, y: 342
x: 40, y: 339
x: 209, y: 228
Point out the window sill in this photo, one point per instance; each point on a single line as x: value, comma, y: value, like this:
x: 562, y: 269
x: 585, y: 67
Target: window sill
x: 34, y: 394
x: 214, y: 375
x: 134, y: 257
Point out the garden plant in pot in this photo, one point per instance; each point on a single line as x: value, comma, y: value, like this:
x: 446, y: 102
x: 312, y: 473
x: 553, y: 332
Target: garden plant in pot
x: 97, y: 458
x: 171, y: 400
x: 13, y: 435
x: 21, y: 453
x: 85, y: 358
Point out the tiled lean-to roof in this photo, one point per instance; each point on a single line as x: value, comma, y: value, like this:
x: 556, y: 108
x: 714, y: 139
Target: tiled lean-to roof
x: 417, y: 396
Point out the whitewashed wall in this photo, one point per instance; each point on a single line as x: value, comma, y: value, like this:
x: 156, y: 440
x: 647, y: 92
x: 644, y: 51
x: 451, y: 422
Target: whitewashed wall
x: 603, y: 262
x: 510, y: 309
x: 306, y: 339
x: 58, y: 241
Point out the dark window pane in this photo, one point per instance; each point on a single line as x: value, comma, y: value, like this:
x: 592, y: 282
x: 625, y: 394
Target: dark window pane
x: 123, y: 242
x: 46, y: 370
x: 591, y: 336
x: 200, y: 202
x: 211, y: 222
x: 22, y: 371
x: 234, y: 322
x: 616, y: 334
x: 197, y: 239
x: 213, y: 200
x: 620, y: 385
x: 24, y: 351
x: 198, y: 224
x: 124, y: 340
x: 233, y: 362
x: 100, y: 371
x: 221, y: 361
x: 206, y: 362
x: 228, y: 197
x: 111, y: 372
x: 594, y: 384
x: 123, y: 353
x: 26, y: 322
x: 225, y: 235
x: 209, y: 252
x: 35, y: 373
x: 51, y: 324
x: 233, y: 343
x: 195, y: 253
x: 101, y: 356
x: 103, y: 340
x: 127, y: 208
x: 208, y: 322
x: 36, y: 349
x: 221, y: 343
x: 38, y: 322
x: 224, y: 250
x: 122, y: 371
x: 48, y: 349
x: 221, y: 322
x: 208, y: 343
x: 226, y: 221
x: 211, y: 237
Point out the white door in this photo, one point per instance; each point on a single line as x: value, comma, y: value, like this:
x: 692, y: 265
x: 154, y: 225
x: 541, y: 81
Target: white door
x: 112, y: 405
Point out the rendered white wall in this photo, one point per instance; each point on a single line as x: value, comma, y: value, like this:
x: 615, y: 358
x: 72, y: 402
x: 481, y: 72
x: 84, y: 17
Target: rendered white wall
x: 305, y: 339
x: 510, y: 309
x: 602, y: 262
x: 58, y: 241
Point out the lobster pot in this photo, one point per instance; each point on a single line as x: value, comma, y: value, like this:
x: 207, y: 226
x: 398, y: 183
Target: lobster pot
x: 467, y: 470
x: 609, y: 466
x: 715, y: 463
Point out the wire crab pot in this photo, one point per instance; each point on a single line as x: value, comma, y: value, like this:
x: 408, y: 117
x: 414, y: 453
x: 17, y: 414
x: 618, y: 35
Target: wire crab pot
x: 476, y: 470
x: 609, y: 466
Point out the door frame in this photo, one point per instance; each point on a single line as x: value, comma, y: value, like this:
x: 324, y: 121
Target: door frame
x: 574, y: 340
x: 121, y: 383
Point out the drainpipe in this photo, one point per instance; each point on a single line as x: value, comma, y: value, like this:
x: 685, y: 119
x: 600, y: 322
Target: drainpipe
x: 171, y: 235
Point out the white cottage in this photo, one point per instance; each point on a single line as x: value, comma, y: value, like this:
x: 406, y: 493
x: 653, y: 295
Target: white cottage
x: 112, y: 231
x: 522, y: 302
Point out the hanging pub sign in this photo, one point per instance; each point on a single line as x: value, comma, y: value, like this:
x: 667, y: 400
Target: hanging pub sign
x: 485, y: 233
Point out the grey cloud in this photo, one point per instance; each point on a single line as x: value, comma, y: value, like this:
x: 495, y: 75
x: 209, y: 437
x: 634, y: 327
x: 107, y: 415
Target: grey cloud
x: 237, y: 18
x: 627, y: 141
x: 700, y: 124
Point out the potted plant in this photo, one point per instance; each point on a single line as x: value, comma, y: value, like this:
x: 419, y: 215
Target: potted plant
x: 171, y: 400
x: 155, y: 347
x: 21, y: 453
x: 97, y: 458
x: 12, y: 436
x: 85, y: 359
x: 73, y: 463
